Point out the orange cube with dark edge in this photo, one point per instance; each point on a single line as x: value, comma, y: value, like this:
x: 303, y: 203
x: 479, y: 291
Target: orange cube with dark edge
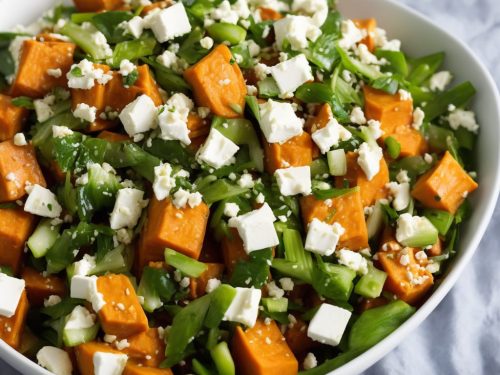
x: 40, y: 287
x: 16, y: 226
x: 297, y: 339
x: 233, y: 250
x: 197, y: 126
x: 370, y: 191
x: 11, y: 329
x: 18, y: 165
x: 135, y: 369
x: 445, y: 186
x: 182, y: 229
x: 217, y: 83
x: 412, y: 141
x: 11, y: 118
x: 320, y: 120
x: 296, y: 152
x: 32, y: 78
x: 198, y: 286
x: 122, y: 315
x: 389, y: 109
x: 262, y: 350
x: 369, y: 25
x: 84, y: 354
x: 97, y: 5
x: 347, y: 210
x: 146, y: 348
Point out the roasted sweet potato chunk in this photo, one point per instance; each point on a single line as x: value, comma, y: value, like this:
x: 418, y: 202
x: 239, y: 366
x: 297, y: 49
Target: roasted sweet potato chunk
x: 11, y: 118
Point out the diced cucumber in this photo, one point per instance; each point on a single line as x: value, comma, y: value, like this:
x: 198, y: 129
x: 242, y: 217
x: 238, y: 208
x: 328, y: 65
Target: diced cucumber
x: 371, y: 284
x: 74, y: 337
x: 42, y: 239
x: 337, y: 162
x: 442, y: 220
x: 375, y: 221
x: 275, y: 304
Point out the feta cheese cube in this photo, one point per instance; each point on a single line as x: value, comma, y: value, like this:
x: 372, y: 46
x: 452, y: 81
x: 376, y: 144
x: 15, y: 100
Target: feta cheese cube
x: 12, y: 289
x: 290, y: 74
x: 256, y: 229
x: 55, y: 360
x: 244, y: 307
x: 42, y: 202
x: 164, y: 181
x: 353, y: 260
x: 369, y: 158
x: 400, y: 193
x: 217, y: 150
x: 330, y: 135
x: 85, y: 112
x: 109, y: 363
x: 328, y: 324
x: 128, y: 208
x: 322, y: 238
x: 139, y: 116
x: 279, y: 122
x: 294, y: 180
x: 170, y: 23
x: 81, y: 286
x: 84, y: 266
x: 440, y: 80
x: 174, y: 117
x: 135, y: 26
x: 297, y: 30
x: 80, y: 318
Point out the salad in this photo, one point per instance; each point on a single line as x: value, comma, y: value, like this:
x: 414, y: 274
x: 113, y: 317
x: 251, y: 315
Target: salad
x: 221, y: 187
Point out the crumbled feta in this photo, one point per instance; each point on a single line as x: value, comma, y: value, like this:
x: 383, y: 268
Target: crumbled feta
x: 109, y: 363
x: 402, y: 176
x: 353, y: 260
x: 279, y: 122
x: 322, y: 238
x: 20, y: 139
x: 80, y: 318
x: 316, y: 9
x: 330, y: 135
x: 207, y: 42
x: 42, y: 202
x: 170, y: 23
x: 228, y: 13
x: 260, y: 198
x: 81, y: 286
x: 297, y: 30
x: 85, y: 112
x: 401, y: 194
x: 465, y: 119
x: 418, y: 118
x: 246, y: 181
x: 357, y: 116
x: 274, y: 290
x: 61, y: 131
x: 135, y: 26
x: 286, y: 284
x: 256, y: 228
x: 217, y: 150
x: 244, y: 307
x: 404, y: 95
x: 51, y: 300
x: 55, y: 360
x: 163, y: 181
x: 43, y: 108
x: 369, y: 158
x: 84, y: 75
x: 174, y: 117
x: 84, y: 266
x: 310, y: 361
x: 212, y: 284
x: 365, y: 56
x: 126, y: 67
x: 291, y: 74
x: 351, y: 35
x: 380, y: 39
x: 139, y: 116
x: 261, y: 71
x: 12, y: 290
x: 294, y: 180
x: 128, y: 208
x: 252, y: 90
x: 440, y: 80
x: 374, y: 127
x: 170, y: 60
x: 328, y: 324
x: 231, y: 209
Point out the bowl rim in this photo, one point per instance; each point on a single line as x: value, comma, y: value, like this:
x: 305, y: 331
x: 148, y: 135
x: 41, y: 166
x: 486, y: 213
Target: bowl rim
x: 363, y: 361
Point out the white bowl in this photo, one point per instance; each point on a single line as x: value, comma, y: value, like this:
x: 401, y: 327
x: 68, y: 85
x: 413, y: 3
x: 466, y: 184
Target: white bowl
x: 419, y: 36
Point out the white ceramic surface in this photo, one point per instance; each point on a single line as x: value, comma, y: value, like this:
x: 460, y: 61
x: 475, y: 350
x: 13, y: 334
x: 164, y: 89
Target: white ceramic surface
x: 419, y: 37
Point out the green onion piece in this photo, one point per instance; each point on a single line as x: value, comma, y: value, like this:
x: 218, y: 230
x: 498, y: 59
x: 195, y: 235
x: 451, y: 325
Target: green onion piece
x: 80, y: 18
x: 319, y: 167
x: 84, y: 39
x: 337, y: 162
x: 134, y: 49
x: 275, y: 304
x: 268, y: 88
x: 199, y: 368
x: 371, y: 284
x: 298, y: 263
x: 424, y: 67
x: 156, y: 287
x: 219, y: 190
x: 188, y: 266
x: 42, y: 239
x: 393, y: 147
x: 458, y: 96
x: 397, y: 61
x: 442, y: 220
x: 253, y: 105
x: 333, y: 192
x: 23, y: 101
x: 226, y: 32
x: 425, y: 235
x: 222, y: 358
x: 333, y: 280
x: 221, y: 299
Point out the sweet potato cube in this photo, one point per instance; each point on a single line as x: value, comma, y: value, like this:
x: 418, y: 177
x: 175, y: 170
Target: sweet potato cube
x: 347, y: 210
x: 113, y: 137
x: 32, y: 78
x: 233, y: 250
x: 11, y: 329
x: 40, y: 287
x: 409, y: 282
x: 320, y: 120
x: 146, y: 348
x: 122, y: 315
x: 369, y: 25
x: 11, y: 118
x: 218, y: 84
x: 97, y: 5
x: 297, y: 339
x: 134, y: 369
x: 15, y: 228
x: 182, y: 229
x: 296, y: 152
x: 197, y: 126
x: 84, y: 354
x: 268, y: 14
x: 412, y: 142
x: 389, y: 109
x: 262, y: 350
x: 18, y: 165
x: 445, y: 186
x: 370, y: 191
x: 198, y: 285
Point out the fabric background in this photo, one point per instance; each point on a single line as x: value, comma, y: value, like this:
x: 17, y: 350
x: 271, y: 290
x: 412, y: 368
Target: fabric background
x: 462, y: 336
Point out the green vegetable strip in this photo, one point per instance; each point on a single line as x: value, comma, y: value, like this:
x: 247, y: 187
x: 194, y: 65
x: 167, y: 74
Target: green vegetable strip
x: 185, y: 264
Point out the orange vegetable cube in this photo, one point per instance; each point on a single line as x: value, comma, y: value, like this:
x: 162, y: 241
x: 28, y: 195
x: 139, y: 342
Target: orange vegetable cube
x: 369, y: 25
x: 97, y: 5
x: 18, y: 165
x: 262, y: 350
x: 40, y: 287
x: 321, y: 119
x: 32, y: 78
x: 297, y: 339
x: 197, y: 126
x: 134, y: 369
x: 11, y: 118
x: 84, y: 354
x: 122, y: 315
x: 15, y: 228
x: 445, y: 186
x: 370, y: 191
x: 233, y: 250
x: 11, y: 329
x: 218, y: 84
x: 146, y: 348
x: 268, y: 14
x: 412, y: 142
x: 182, y: 229
x: 347, y: 210
x: 198, y: 285
x: 296, y: 152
